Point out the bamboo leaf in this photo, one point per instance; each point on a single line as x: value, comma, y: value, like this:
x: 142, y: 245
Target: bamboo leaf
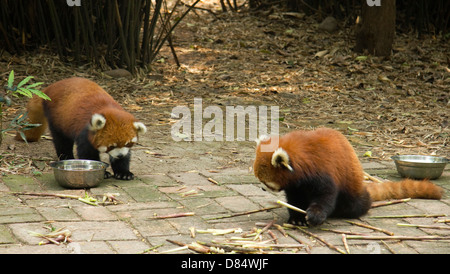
x: 24, y: 81
x: 22, y: 135
x: 35, y: 85
x: 24, y: 92
x: 11, y: 79
x: 40, y: 94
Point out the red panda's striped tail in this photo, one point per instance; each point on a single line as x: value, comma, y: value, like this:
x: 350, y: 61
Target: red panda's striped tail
x: 404, y: 189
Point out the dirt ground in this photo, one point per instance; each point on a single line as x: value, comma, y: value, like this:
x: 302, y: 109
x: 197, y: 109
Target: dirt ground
x: 388, y: 106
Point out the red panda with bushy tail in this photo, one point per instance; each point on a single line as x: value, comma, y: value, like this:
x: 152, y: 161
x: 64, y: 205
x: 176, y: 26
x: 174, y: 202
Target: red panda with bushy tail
x: 81, y: 112
x: 321, y: 173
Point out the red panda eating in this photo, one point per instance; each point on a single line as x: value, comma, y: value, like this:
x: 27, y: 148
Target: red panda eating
x: 319, y: 172
x: 81, y: 112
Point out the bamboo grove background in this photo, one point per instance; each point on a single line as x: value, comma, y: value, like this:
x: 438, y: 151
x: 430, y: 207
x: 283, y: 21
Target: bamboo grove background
x: 116, y: 33
x: 129, y: 33
x: 421, y: 16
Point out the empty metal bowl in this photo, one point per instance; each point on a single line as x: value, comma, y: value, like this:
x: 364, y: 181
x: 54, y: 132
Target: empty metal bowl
x: 419, y: 166
x: 79, y: 173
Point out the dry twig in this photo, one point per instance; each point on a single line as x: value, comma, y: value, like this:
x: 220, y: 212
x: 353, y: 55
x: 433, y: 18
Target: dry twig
x: 242, y: 213
x: 408, y: 216
x: 372, y: 227
x: 344, y: 240
x: 320, y: 239
x: 175, y: 215
x: 392, y: 202
x: 425, y: 226
x: 409, y: 238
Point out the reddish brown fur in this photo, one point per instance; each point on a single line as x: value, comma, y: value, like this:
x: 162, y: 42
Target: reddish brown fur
x: 404, y: 189
x: 73, y: 103
x: 35, y: 116
x: 328, y: 151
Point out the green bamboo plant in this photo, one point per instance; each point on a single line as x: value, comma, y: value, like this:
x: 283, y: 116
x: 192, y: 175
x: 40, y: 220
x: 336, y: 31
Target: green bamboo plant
x: 19, y: 123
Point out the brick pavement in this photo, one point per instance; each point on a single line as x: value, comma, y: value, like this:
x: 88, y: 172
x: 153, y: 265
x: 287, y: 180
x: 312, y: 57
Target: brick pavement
x: 130, y: 227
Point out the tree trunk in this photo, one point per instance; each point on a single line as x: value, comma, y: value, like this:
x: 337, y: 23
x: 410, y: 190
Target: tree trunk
x: 375, y: 32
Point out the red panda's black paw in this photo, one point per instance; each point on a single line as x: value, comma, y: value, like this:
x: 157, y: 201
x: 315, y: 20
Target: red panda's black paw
x: 124, y: 176
x: 301, y: 222
x: 107, y: 175
x: 315, y: 216
x: 297, y: 219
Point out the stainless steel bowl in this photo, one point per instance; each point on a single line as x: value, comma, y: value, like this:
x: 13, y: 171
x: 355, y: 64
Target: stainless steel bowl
x: 79, y: 173
x: 419, y: 166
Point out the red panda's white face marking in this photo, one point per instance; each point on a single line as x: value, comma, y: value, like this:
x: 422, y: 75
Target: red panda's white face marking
x: 272, y: 186
x: 119, y: 152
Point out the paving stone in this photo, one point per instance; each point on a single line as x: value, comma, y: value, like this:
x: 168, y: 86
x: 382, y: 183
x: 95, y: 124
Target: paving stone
x: 251, y: 190
x: 190, y: 178
x: 34, y: 249
x: 90, y: 247
x: 58, y: 214
x: 19, y: 215
x: 5, y: 235
x: 22, y: 232
x: 149, y: 228
x: 145, y: 193
x: 157, y: 180
x: 18, y: 183
x: 368, y: 166
x: 233, y: 179
x: 128, y: 247
x: 237, y: 203
x: 94, y: 213
x: 98, y: 230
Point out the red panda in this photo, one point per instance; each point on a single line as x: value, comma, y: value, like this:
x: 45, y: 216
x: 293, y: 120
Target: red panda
x: 81, y: 112
x: 320, y: 172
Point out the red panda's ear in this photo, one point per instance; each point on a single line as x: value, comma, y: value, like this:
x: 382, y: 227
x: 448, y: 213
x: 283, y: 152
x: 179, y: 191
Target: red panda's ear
x: 280, y: 158
x: 261, y: 139
x: 140, y: 127
x: 98, y: 121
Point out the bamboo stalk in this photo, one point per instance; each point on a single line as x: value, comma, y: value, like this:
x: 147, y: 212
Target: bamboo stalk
x: 151, y: 248
x: 281, y: 229
x: 409, y: 238
x: 307, y: 246
x: 175, y: 215
x: 374, y: 179
x: 213, y: 181
x: 372, y: 227
x: 443, y: 221
x: 194, y: 247
x: 388, y: 247
x: 392, y: 202
x: 47, y: 194
x: 344, y: 240
x: 425, y: 226
x: 264, y: 229
x: 342, y: 232
x: 228, y: 248
x: 321, y: 239
x: 123, y: 41
x: 408, y: 216
x: 241, y: 213
x: 291, y: 206
x: 274, y: 237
